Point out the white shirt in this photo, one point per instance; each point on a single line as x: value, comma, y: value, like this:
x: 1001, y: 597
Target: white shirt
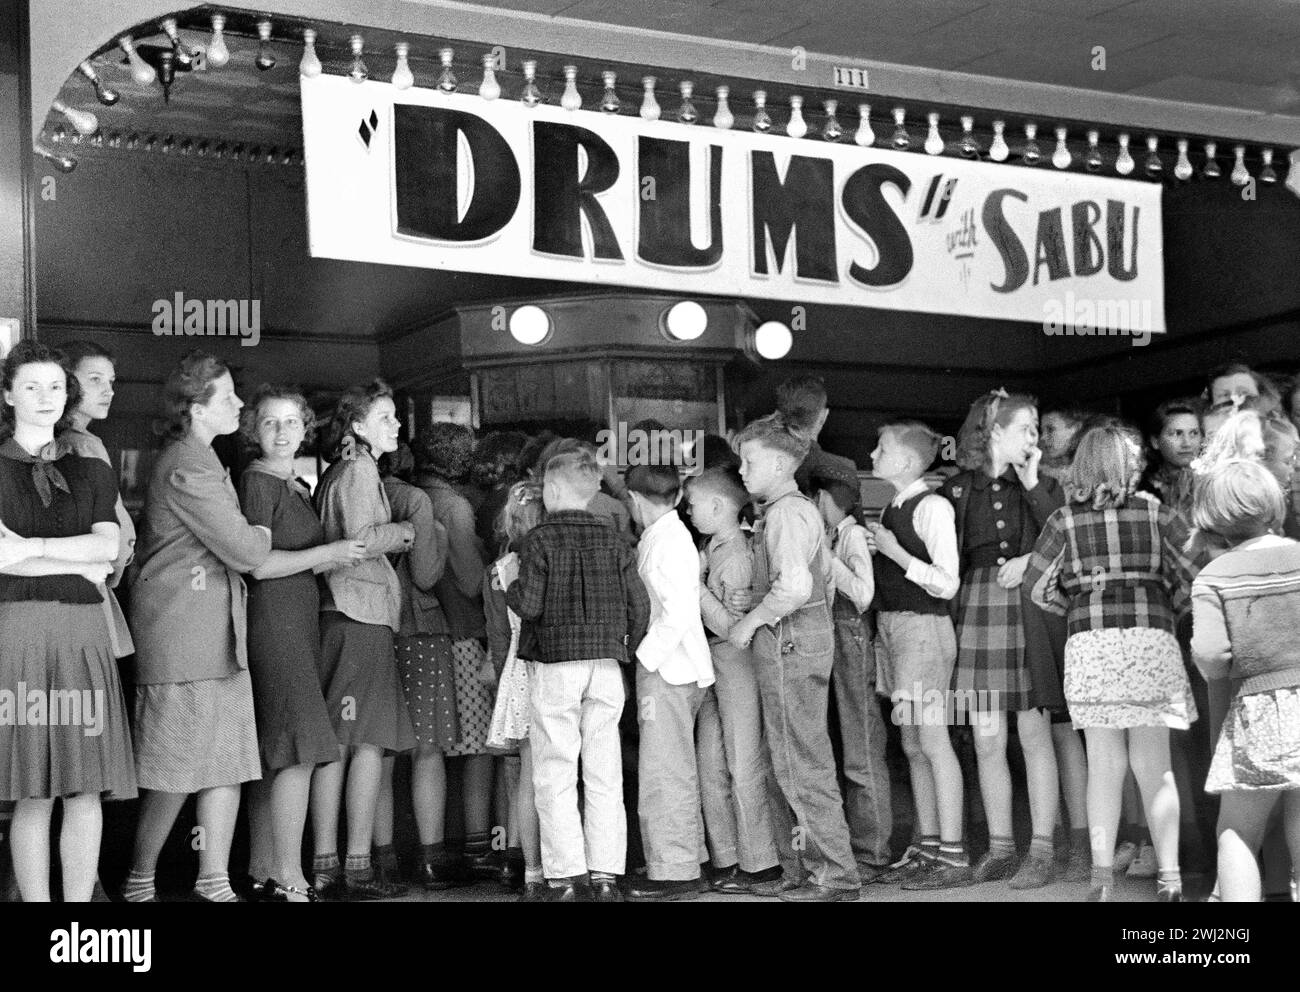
x: 935, y: 523
x: 674, y: 645
x: 851, y: 564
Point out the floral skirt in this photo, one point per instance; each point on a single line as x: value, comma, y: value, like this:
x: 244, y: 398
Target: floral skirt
x: 1259, y: 746
x: 1127, y: 677
x: 509, y: 727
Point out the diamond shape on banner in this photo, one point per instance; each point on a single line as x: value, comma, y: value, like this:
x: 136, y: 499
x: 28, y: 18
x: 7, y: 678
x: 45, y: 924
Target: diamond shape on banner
x: 369, y: 125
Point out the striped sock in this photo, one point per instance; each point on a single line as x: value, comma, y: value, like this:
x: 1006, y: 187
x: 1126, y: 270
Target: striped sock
x: 357, y: 868
x: 325, y: 869
x: 478, y: 843
x: 953, y: 853
x: 1043, y: 847
x: 930, y: 845
x: 215, y: 887
x: 1001, y: 845
x: 139, y: 887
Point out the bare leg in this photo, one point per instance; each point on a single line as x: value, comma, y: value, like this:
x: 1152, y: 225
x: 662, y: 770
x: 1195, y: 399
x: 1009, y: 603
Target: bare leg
x: 1107, y: 766
x: 1148, y: 749
x: 429, y: 793
x: 1072, y: 766
x: 362, y: 796
x: 530, y: 834
x: 326, y: 798
x: 923, y: 796
x: 261, y: 831
x: 1035, y: 730
x: 158, y: 812
x: 947, y: 787
x: 83, y: 826
x: 1243, y: 818
x: 477, y: 790
x: 995, y: 776
x: 383, y: 834
x: 30, y: 843
x: 289, y: 798
x: 217, y: 811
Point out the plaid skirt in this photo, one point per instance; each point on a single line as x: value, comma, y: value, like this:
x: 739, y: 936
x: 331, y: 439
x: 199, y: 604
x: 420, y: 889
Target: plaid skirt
x: 991, y: 673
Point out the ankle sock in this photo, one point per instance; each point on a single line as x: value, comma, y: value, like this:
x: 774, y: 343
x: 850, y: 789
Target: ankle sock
x: 1102, y: 875
x: 1170, y: 878
x: 385, y: 856
x: 1001, y: 845
x: 602, y: 876
x: 532, y: 875
x: 953, y: 854
x: 478, y: 843
x: 325, y: 868
x: 930, y: 845
x: 215, y: 887
x: 139, y: 887
x: 1042, y: 847
x: 357, y: 868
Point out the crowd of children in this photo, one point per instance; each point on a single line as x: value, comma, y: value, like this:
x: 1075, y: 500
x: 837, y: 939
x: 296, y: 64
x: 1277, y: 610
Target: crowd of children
x: 505, y: 603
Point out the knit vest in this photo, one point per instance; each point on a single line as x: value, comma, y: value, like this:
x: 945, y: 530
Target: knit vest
x: 895, y: 593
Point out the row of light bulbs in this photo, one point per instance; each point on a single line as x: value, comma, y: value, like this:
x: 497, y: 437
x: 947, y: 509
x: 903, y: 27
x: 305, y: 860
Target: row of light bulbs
x: 180, y: 145
x: 968, y: 146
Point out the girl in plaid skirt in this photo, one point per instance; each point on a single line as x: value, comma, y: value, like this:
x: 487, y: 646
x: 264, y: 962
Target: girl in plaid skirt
x: 1001, y: 503
x: 1112, y: 562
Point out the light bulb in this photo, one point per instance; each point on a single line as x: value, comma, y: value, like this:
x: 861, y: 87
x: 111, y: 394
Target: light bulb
x: 182, y: 53
x: 1092, y: 157
x: 358, y: 72
x: 309, y: 65
x: 1211, y: 170
x: 772, y: 340
x: 687, y: 113
x: 265, y: 57
x: 103, y: 94
x: 447, y: 78
x: 901, y: 139
x: 1153, y: 164
x: 1124, y: 163
x: 832, y: 131
x: 797, y: 126
x: 403, y: 77
x: 969, y: 146
x: 933, y: 139
x: 1183, y: 167
x: 489, y: 89
x: 609, y: 101
x: 141, y: 71
x: 218, y: 54
x: 531, y: 96
x: 83, y: 120
x: 1266, y: 173
x: 64, y: 163
x: 649, y: 105
x: 762, y: 119
x: 1061, y: 157
x: 998, y: 150
x: 571, y: 99
x: 864, y: 136
x: 1240, y: 175
x: 723, y: 117
x: 1031, y: 152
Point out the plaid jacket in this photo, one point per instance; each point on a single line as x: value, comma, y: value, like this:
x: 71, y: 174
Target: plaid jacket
x: 1121, y: 567
x: 578, y: 592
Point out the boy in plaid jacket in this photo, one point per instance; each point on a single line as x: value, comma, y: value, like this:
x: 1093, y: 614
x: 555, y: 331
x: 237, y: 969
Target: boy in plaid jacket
x: 585, y: 608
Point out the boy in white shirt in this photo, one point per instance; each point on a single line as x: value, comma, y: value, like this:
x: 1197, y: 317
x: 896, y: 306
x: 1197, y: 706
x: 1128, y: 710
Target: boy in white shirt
x: 674, y: 668
x: 835, y: 489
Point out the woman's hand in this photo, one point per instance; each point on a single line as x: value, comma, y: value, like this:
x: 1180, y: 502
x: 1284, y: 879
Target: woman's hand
x: 1028, y: 472
x: 1012, y: 573
x: 487, y: 673
x: 95, y: 571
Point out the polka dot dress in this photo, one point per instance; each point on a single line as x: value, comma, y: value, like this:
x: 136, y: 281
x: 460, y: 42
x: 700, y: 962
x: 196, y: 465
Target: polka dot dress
x: 425, y: 662
x: 473, y: 698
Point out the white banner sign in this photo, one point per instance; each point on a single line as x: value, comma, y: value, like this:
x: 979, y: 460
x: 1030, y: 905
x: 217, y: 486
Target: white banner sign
x: 420, y: 178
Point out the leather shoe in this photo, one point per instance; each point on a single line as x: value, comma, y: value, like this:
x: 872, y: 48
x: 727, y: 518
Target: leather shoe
x: 736, y: 882
x: 868, y: 872
x: 811, y: 892
x: 512, y: 874
x: 439, y: 876
x: 566, y: 891
x: 653, y: 890
x: 775, y: 888
x: 484, y: 864
x: 369, y: 889
x: 994, y: 867
x: 940, y: 875
x: 604, y: 890
x: 387, y: 876
x: 1035, y: 872
x: 533, y: 892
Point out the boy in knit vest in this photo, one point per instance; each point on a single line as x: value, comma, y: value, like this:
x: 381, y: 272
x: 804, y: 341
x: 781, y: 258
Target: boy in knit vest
x: 794, y: 649
x: 579, y: 595
x: 916, y: 568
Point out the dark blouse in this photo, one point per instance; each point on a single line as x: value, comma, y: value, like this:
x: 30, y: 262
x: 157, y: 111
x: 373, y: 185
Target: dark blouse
x: 93, y: 500
x: 993, y: 519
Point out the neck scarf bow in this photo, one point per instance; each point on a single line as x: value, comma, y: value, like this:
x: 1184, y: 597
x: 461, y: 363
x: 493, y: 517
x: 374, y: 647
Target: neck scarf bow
x: 45, y: 474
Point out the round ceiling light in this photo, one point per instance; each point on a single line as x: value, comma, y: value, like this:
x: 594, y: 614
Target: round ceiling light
x: 530, y: 325
x: 773, y: 340
x: 685, y: 320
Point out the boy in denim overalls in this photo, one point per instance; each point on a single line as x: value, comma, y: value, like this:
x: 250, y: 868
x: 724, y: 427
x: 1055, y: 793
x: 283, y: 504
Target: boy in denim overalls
x: 794, y: 647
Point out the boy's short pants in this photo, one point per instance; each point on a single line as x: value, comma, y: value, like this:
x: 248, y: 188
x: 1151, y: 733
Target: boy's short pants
x: 915, y: 654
